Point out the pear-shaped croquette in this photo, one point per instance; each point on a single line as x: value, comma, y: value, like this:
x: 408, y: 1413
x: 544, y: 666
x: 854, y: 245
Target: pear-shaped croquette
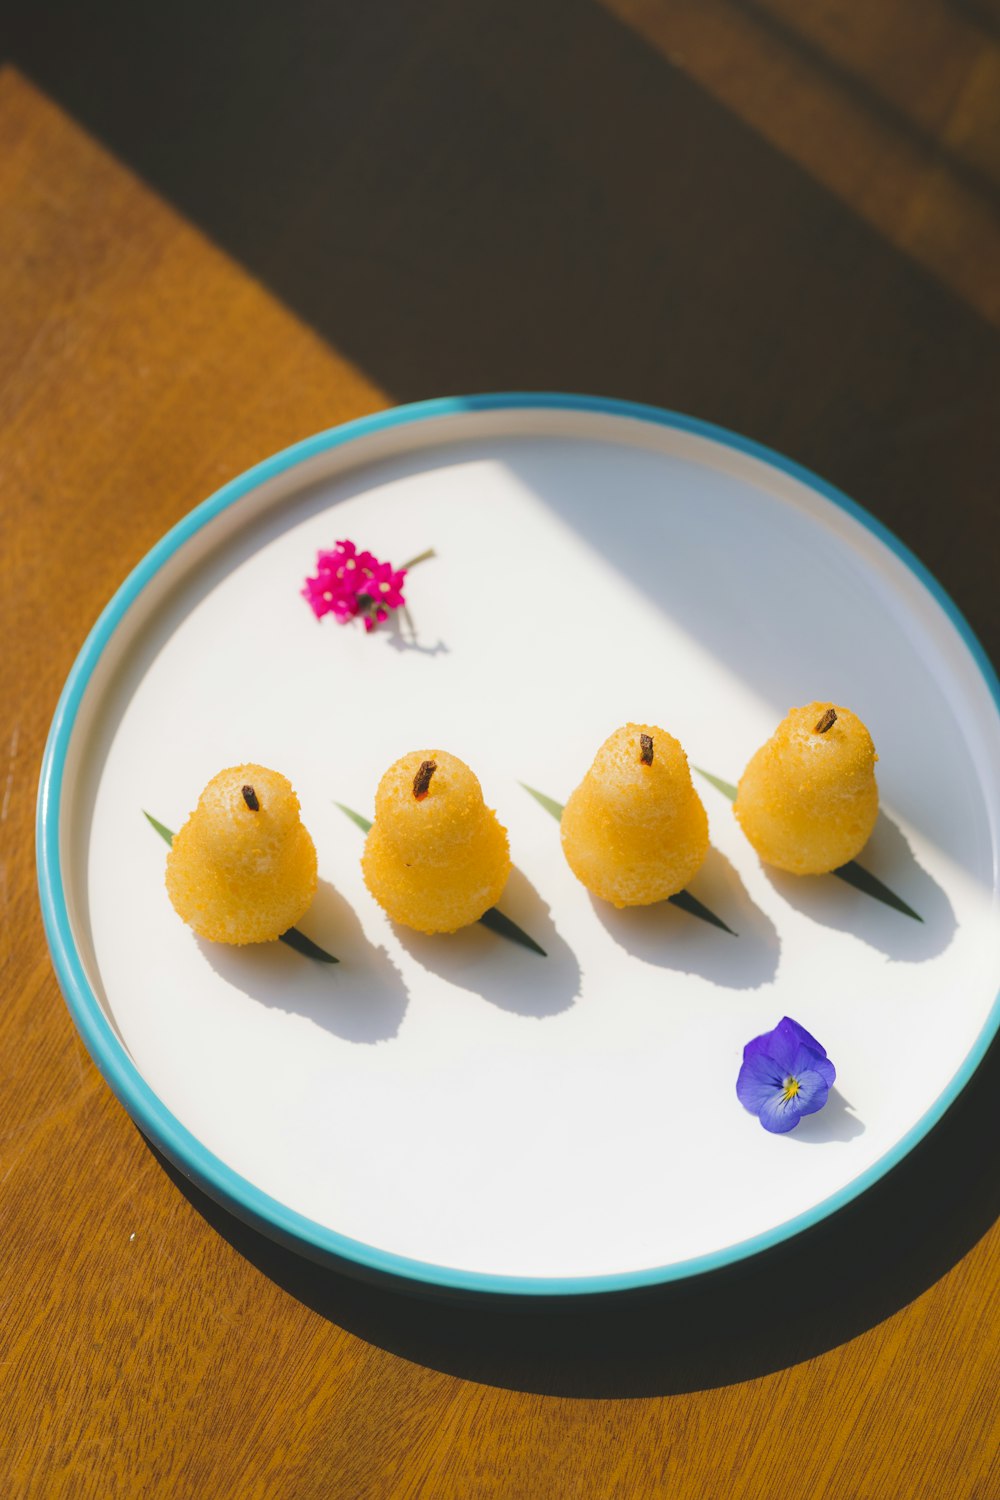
x: 807, y: 800
x: 243, y: 867
x: 634, y: 831
x: 436, y: 857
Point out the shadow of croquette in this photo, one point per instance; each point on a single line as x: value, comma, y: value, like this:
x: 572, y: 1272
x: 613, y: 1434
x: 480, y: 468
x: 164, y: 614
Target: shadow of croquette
x: 501, y: 971
x: 362, y: 998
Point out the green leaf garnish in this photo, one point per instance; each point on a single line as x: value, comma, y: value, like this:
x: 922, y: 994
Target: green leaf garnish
x: 864, y: 880
x: 725, y: 787
x: 696, y: 908
x: 493, y: 919
x: 293, y: 937
x: 852, y: 873
x: 683, y: 899
x: 549, y: 803
x: 363, y: 823
x: 161, y: 828
x: 304, y: 945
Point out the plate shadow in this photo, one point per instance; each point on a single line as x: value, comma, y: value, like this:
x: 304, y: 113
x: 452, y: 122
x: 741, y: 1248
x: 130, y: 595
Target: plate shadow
x: 789, y: 1304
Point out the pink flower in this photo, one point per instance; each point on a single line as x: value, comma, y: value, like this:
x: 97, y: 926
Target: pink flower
x: 349, y: 583
x: 325, y: 595
x: 385, y: 585
x: 335, y: 587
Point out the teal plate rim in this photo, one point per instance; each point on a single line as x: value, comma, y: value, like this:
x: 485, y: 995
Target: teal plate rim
x: 182, y: 1148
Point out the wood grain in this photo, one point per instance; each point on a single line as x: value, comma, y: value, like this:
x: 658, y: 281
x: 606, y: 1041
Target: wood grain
x: 141, y: 1352
x: 704, y: 206
x: 892, y: 106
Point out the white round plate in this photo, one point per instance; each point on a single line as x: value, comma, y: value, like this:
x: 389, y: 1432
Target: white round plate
x: 461, y: 1111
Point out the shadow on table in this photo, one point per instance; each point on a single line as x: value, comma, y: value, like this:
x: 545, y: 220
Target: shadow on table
x: 597, y: 221
x: 788, y: 1305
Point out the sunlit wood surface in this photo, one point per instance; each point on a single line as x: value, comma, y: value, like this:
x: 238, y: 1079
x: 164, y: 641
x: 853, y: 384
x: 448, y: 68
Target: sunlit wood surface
x: 149, y: 1345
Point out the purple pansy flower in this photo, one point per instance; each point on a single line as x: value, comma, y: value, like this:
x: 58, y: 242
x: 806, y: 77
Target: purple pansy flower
x: 785, y: 1074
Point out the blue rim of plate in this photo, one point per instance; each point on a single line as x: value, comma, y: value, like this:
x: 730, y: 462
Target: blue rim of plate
x: 150, y: 1114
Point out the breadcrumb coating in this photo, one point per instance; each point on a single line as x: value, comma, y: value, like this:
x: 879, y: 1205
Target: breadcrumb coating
x: 238, y: 873
x: 808, y: 799
x: 635, y: 831
x: 435, y: 859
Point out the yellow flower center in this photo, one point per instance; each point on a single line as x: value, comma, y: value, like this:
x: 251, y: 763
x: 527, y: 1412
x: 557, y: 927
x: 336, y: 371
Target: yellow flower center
x: 791, y: 1088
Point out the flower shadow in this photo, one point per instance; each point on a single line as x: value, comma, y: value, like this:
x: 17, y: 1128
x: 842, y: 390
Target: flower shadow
x: 834, y: 1122
x: 361, y: 999
x: 673, y: 939
x: 834, y: 903
x: 401, y: 635
x: 502, y: 972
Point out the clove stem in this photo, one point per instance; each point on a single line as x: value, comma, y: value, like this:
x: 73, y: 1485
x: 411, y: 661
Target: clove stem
x: 422, y: 780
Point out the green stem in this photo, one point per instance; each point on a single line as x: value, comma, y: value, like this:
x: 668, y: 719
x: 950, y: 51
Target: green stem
x: 420, y: 557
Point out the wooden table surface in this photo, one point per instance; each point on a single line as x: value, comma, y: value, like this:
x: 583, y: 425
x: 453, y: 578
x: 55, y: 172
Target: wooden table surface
x: 221, y: 233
